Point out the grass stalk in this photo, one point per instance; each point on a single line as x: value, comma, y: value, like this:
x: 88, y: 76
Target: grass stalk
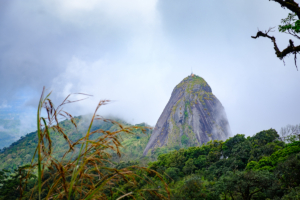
x: 91, y: 173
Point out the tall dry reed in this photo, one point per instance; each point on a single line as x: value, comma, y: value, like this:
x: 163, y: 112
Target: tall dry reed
x: 90, y: 174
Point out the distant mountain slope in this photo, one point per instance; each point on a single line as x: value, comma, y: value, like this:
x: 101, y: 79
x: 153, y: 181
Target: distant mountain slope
x: 193, y: 116
x: 21, y: 152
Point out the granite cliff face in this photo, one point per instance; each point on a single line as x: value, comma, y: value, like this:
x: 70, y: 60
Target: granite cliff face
x: 193, y: 116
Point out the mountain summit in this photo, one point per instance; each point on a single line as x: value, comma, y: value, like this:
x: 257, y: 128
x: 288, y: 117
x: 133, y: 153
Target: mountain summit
x: 193, y: 116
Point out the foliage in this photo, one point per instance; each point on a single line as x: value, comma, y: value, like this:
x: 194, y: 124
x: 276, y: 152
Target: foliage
x: 13, y: 183
x: 294, y: 193
x: 245, y: 183
x: 193, y: 188
x: 289, y: 171
x: 257, y: 167
x: 269, y: 162
x: 20, y: 152
x: 184, y: 140
x: 264, y: 166
x: 85, y: 170
x: 290, y: 24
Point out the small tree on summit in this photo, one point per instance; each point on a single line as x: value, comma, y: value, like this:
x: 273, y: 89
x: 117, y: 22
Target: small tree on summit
x: 290, y: 25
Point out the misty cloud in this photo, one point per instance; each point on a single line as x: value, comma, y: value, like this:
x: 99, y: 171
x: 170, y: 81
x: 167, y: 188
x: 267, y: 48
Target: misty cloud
x: 4, y: 105
x: 2, y: 129
x: 135, y: 52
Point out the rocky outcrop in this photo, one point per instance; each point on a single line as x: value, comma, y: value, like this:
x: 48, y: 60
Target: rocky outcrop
x: 193, y: 116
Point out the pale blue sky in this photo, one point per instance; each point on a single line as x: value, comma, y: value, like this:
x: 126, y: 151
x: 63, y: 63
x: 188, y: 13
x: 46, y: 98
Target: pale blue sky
x: 135, y: 52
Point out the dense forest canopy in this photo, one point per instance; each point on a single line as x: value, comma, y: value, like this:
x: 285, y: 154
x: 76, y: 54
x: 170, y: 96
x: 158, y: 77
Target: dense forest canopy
x: 63, y: 160
x: 264, y: 166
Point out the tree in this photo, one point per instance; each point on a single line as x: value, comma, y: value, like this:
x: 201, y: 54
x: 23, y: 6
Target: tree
x: 189, y: 166
x: 173, y: 173
x: 13, y: 185
x: 245, y: 184
x: 290, y: 25
x: 293, y: 194
x: 230, y: 143
x: 194, y: 188
x: 290, y: 133
x: 289, y: 172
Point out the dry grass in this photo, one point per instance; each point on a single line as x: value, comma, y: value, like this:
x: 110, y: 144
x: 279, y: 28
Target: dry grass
x: 90, y: 174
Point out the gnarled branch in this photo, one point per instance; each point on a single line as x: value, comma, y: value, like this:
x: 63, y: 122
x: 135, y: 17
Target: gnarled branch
x: 290, y: 49
x: 291, y: 5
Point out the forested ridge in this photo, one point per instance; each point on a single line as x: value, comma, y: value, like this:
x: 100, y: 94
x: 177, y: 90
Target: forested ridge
x: 21, y: 152
x: 264, y: 166
x: 258, y: 167
x: 90, y: 157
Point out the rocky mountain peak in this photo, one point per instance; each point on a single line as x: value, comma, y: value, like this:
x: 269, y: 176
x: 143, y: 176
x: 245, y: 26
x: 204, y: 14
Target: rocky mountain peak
x: 192, y: 116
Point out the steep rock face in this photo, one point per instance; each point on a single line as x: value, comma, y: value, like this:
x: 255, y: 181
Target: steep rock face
x: 193, y: 116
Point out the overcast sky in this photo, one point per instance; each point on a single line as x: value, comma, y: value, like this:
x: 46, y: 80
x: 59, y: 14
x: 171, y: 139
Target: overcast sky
x: 135, y: 52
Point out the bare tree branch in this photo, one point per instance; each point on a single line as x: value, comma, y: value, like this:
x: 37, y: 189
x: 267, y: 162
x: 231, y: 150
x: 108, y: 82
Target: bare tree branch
x: 290, y: 49
x: 293, y: 33
x: 291, y: 5
x: 280, y: 54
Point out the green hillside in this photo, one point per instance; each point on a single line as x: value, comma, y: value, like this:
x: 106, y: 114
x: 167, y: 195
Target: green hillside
x: 258, y: 167
x: 263, y: 166
x: 21, y: 152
